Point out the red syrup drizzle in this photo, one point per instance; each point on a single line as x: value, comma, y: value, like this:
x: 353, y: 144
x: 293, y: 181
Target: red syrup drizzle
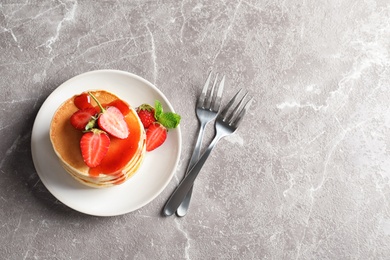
x: 120, y: 151
x: 122, y: 106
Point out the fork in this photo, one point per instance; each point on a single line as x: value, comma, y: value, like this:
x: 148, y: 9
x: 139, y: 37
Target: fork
x: 207, y: 108
x: 226, y: 124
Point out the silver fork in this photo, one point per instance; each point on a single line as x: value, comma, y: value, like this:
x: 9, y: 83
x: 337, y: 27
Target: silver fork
x: 225, y: 125
x: 207, y: 108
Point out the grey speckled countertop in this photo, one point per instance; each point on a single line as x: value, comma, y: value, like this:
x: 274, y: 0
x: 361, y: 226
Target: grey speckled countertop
x: 305, y: 177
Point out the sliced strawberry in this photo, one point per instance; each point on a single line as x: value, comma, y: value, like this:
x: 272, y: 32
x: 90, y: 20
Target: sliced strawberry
x: 155, y: 136
x: 94, y: 146
x: 113, y: 122
x: 81, y: 117
x: 146, y: 115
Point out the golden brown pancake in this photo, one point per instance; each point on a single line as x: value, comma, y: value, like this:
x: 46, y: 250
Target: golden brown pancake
x: 123, y: 158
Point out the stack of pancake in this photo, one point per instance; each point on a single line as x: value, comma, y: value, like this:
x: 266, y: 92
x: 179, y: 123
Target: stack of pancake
x: 123, y: 159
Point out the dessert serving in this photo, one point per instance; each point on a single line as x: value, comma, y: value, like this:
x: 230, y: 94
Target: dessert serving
x: 154, y: 172
x: 98, y: 138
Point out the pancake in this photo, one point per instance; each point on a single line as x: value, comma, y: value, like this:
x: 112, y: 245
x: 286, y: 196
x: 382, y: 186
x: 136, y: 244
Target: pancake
x: 124, y: 156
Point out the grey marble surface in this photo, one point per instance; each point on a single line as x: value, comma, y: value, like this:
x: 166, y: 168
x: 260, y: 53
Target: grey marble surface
x: 305, y: 177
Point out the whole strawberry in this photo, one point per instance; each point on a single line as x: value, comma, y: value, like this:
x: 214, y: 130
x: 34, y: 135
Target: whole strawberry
x: 146, y: 115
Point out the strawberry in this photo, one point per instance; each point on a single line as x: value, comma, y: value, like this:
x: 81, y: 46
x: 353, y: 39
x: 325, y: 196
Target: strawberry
x: 81, y: 118
x: 155, y: 136
x: 156, y: 122
x: 83, y: 101
x: 112, y: 120
x: 146, y: 115
x: 94, y: 146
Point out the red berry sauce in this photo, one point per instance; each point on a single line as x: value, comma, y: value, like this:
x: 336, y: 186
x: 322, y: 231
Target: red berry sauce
x: 121, y: 151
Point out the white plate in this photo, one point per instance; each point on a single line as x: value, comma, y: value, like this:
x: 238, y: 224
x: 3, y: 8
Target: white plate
x: 155, y: 173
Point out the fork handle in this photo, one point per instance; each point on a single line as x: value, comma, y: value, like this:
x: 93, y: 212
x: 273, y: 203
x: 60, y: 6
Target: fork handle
x: 185, y: 204
x: 196, y: 152
x: 185, y: 185
x: 183, y: 207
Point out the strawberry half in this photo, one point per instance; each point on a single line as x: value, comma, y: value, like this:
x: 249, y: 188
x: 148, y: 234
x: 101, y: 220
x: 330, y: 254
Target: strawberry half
x: 146, y: 115
x: 80, y: 118
x: 94, y: 146
x: 113, y: 122
x: 155, y: 136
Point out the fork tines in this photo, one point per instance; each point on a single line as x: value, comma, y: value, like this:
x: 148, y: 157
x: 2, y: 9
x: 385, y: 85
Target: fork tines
x: 235, y: 116
x: 211, y: 98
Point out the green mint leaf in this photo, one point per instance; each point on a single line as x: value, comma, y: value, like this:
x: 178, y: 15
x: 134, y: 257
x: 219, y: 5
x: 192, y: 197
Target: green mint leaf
x: 169, y: 120
x: 158, y: 110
